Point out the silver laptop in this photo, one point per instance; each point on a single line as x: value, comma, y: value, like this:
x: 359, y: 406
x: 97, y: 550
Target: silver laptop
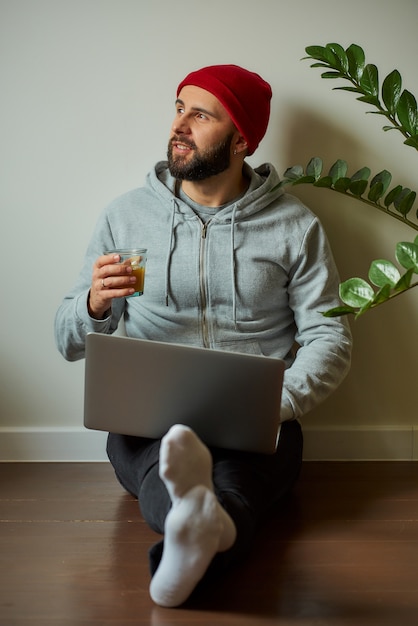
x: 140, y: 387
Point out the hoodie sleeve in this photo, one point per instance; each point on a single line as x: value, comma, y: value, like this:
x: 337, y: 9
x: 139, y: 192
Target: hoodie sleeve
x: 324, y: 344
x: 72, y: 320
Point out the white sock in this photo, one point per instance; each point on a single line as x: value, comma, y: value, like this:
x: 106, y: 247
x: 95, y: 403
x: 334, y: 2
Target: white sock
x: 185, y: 462
x: 197, y: 527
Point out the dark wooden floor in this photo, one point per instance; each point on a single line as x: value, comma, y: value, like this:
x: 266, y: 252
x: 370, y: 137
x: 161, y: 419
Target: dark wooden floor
x: 73, y: 550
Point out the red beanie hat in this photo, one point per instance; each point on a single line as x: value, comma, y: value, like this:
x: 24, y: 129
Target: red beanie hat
x: 244, y: 94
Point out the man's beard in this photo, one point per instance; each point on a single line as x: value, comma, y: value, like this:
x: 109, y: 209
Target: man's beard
x: 203, y: 165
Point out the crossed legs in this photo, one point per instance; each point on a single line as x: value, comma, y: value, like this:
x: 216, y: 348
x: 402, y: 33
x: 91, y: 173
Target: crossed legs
x: 206, y: 503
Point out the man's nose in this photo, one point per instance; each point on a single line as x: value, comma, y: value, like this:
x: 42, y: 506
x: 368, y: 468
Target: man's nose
x: 181, y: 126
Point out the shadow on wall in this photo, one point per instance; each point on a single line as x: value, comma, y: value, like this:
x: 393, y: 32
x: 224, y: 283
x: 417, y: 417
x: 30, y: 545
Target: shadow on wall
x: 379, y: 388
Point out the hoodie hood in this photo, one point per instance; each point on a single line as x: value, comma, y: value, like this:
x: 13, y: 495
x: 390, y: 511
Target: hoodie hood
x: 258, y: 196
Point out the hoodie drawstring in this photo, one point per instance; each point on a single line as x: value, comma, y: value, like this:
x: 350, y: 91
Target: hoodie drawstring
x: 233, y: 277
x: 170, y: 245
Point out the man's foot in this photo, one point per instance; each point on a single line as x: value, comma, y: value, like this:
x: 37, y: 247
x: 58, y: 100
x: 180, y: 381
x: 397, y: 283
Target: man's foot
x: 185, y: 461
x: 197, y: 527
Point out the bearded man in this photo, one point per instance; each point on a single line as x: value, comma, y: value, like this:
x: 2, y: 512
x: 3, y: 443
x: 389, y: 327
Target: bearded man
x: 233, y: 264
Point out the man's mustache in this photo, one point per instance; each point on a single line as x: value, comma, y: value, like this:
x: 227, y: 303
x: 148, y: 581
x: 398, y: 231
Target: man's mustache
x: 183, y: 140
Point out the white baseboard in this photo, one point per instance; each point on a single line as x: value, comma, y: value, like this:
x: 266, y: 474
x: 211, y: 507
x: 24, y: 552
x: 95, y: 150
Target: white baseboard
x: 361, y: 444
x: 52, y: 444
x: 45, y: 444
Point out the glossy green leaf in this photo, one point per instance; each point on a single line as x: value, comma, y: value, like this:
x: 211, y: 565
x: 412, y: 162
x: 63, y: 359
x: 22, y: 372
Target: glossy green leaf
x: 384, y: 177
x: 391, y: 91
x: 356, y: 61
x: 407, y: 112
x: 314, y: 167
x: 316, y: 52
x: 356, y: 292
x: 340, y: 55
x: 331, y: 75
x: 325, y: 181
x: 408, y: 203
x: 390, y: 198
x: 362, y: 174
x: 407, y: 255
x: 383, y: 273
x: 303, y: 180
x: 294, y: 172
x: 338, y: 170
x: 359, y: 181
x: 369, y: 81
x: 382, y: 295
x: 405, y: 280
x: 405, y: 201
x: 338, y: 311
x: 320, y: 65
x: 358, y: 187
x: 375, y: 192
x: 342, y: 184
x: 353, y: 89
x: 321, y: 53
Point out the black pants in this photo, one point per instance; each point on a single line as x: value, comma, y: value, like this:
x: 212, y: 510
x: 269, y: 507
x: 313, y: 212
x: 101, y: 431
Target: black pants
x: 247, y: 485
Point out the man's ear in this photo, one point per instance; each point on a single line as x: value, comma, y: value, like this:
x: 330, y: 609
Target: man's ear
x: 239, y: 144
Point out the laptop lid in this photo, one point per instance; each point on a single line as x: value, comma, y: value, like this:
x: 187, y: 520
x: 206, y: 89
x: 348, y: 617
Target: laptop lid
x: 141, y: 387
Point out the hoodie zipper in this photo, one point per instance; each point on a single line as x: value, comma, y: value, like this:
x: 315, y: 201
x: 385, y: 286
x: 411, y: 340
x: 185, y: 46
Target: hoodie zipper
x: 203, y: 296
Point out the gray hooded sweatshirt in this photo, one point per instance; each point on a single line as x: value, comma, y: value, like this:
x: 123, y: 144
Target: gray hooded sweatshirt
x: 254, y: 279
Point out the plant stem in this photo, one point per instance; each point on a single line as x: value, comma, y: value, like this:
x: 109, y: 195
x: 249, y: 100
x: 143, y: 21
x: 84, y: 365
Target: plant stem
x: 377, y: 105
x: 394, y: 295
x: 399, y: 217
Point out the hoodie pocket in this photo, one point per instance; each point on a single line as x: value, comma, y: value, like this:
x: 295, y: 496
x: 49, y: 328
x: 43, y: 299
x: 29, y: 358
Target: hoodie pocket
x: 245, y: 346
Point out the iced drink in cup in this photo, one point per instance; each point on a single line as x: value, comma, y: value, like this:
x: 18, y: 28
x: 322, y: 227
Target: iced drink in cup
x: 136, y: 258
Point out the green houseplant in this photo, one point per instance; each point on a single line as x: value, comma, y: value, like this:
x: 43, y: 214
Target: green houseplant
x: 399, y: 108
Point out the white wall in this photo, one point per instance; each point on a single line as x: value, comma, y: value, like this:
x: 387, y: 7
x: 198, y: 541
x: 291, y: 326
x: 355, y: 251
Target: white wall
x: 87, y: 92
